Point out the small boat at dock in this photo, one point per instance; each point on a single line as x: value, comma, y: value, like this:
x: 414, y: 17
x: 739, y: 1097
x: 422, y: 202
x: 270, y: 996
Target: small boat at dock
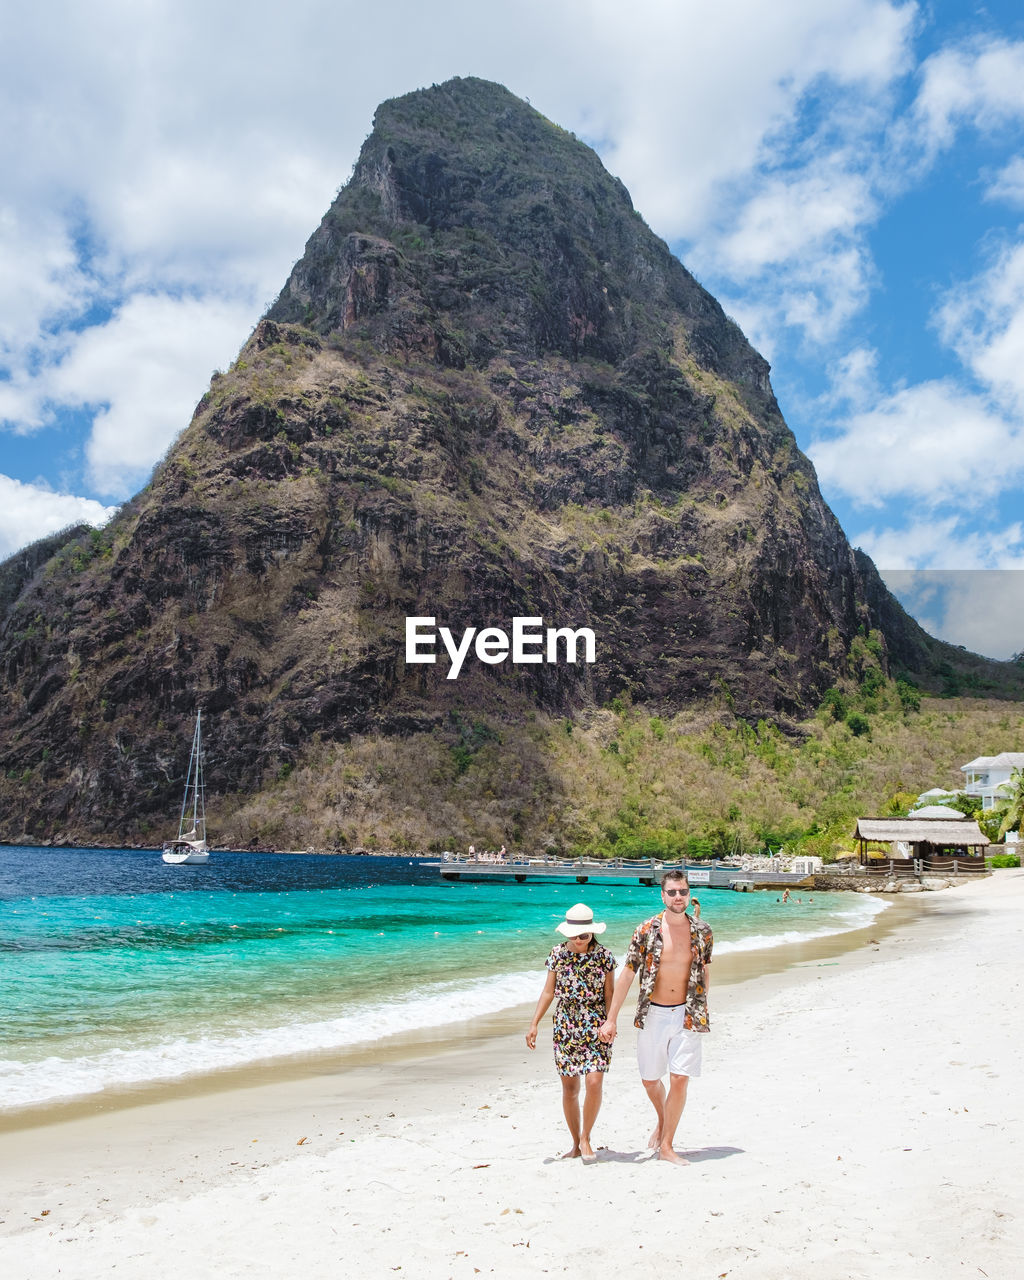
x: 190, y: 845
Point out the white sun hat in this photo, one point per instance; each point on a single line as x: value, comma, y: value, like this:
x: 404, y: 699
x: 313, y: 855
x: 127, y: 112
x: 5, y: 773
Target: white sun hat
x: 579, y: 919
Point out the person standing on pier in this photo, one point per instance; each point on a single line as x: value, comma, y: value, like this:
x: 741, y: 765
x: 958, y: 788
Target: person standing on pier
x: 580, y: 976
x: 672, y: 953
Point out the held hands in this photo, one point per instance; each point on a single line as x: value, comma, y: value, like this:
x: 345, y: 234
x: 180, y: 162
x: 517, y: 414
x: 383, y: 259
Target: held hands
x: 531, y: 1037
x: 606, y: 1031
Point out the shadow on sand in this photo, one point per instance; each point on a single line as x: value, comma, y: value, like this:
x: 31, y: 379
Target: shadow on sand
x: 699, y: 1155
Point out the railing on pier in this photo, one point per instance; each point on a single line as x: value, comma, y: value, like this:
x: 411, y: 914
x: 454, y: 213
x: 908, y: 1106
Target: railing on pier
x: 711, y: 874
x: 551, y: 860
x: 914, y: 868
x: 954, y: 866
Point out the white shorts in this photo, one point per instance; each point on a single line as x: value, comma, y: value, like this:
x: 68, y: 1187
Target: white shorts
x: 664, y: 1044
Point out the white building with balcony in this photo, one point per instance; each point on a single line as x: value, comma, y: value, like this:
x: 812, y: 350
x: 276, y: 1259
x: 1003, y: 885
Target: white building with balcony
x: 988, y: 775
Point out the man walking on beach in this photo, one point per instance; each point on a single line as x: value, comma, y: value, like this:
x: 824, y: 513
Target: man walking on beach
x: 671, y: 952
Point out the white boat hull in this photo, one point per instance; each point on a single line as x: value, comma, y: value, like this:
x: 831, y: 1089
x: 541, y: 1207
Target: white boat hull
x: 180, y: 853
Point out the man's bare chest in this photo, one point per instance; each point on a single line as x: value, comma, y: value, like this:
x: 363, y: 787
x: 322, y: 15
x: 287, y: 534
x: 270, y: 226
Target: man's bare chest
x: 676, y: 955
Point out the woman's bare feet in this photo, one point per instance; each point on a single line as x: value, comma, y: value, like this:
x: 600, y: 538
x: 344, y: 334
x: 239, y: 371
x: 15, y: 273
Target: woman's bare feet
x: 571, y: 1155
x: 655, y: 1139
x: 673, y: 1157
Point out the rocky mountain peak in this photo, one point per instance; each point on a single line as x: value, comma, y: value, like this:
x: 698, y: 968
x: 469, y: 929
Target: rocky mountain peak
x: 485, y: 216
x: 486, y: 391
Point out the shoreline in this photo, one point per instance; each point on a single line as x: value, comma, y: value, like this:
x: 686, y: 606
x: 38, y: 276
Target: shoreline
x: 730, y: 968
x: 850, y: 1123
x: 156, y: 848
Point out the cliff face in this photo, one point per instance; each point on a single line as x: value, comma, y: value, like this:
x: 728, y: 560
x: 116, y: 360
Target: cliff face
x: 487, y: 390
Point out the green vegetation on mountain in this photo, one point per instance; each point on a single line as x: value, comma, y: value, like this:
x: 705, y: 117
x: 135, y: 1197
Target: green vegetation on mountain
x: 621, y: 781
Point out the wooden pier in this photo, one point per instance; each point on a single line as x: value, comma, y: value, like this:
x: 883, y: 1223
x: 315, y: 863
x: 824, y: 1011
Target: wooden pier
x: 645, y: 871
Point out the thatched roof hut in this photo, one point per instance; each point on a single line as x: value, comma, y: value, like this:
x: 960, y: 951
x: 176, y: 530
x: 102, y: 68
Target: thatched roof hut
x: 916, y: 837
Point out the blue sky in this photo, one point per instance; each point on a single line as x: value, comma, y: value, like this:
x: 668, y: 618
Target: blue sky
x: 847, y: 178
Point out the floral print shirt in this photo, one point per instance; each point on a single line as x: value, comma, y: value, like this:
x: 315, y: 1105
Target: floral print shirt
x: 644, y: 957
x: 579, y: 976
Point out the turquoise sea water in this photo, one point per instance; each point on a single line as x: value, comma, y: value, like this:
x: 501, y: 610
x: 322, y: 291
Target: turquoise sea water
x: 117, y: 969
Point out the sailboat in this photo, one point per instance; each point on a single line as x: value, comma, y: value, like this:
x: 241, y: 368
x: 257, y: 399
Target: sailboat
x: 190, y: 846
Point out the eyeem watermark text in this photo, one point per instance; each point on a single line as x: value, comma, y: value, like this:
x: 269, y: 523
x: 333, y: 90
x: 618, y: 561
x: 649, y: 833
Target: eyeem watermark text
x: 530, y: 642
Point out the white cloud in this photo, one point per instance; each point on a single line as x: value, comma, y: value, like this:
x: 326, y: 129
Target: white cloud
x: 787, y: 219
x: 29, y: 512
x: 944, y: 544
x: 704, y: 95
x: 981, y: 609
x: 915, y: 545
x: 933, y: 443
x: 798, y: 248
x: 937, y: 442
x: 795, y: 230
x: 963, y: 585
x: 815, y: 297
x: 980, y: 83
x: 40, y: 278
x: 791, y: 228
x: 1008, y: 183
x: 19, y: 403
x: 986, y: 614
x: 854, y: 379
x: 142, y: 372
x: 983, y: 321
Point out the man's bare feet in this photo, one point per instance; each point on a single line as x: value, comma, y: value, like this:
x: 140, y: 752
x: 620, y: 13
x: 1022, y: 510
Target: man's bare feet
x: 673, y: 1157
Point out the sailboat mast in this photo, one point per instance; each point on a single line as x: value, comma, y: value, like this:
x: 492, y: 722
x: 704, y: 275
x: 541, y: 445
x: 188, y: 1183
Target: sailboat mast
x: 199, y: 800
x: 193, y: 783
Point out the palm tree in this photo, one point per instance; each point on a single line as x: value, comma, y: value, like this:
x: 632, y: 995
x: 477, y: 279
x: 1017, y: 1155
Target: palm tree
x: 1012, y: 806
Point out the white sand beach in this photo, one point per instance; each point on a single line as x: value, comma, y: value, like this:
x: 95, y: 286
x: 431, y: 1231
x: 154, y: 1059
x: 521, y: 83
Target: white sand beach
x: 861, y: 1115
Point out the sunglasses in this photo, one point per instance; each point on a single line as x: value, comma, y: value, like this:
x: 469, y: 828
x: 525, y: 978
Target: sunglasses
x: 675, y: 893
x: 581, y: 937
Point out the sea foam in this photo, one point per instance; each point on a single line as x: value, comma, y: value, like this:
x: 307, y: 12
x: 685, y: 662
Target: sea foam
x: 52, y: 1079
x: 858, y: 916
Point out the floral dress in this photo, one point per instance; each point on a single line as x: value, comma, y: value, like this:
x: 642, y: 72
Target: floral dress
x: 579, y: 990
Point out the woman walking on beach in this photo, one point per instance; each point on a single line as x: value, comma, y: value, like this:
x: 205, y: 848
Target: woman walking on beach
x: 580, y: 977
